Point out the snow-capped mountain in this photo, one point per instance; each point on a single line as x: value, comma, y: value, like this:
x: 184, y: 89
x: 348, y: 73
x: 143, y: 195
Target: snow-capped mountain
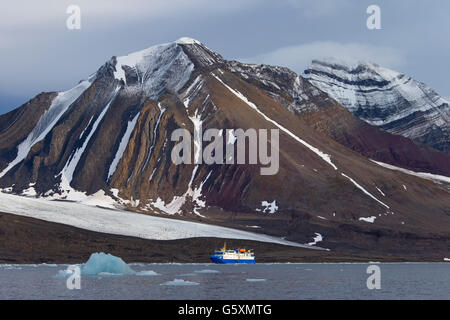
x: 387, y: 99
x: 107, y: 142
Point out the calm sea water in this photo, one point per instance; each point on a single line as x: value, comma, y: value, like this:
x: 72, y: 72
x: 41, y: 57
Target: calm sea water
x: 209, y: 281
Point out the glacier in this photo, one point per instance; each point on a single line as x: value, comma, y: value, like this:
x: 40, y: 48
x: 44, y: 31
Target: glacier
x: 127, y: 223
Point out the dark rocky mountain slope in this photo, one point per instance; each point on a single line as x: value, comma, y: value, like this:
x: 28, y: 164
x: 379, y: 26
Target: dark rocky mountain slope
x: 109, y: 138
x: 387, y: 99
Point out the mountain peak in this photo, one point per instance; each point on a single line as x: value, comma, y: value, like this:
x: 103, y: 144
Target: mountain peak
x: 136, y: 56
x: 352, y: 69
x: 187, y: 40
x: 162, y: 66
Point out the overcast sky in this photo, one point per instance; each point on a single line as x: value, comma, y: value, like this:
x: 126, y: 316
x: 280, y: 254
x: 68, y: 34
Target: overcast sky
x: 38, y: 53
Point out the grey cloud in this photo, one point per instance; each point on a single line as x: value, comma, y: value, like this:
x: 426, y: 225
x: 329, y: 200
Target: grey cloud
x: 38, y: 53
x: 299, y: 57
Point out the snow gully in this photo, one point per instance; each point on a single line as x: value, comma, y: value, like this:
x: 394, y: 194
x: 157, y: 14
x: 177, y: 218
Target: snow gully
x: 234, y: 140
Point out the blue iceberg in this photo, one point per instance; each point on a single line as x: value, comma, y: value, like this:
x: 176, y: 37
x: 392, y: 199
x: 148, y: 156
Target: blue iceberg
x: 105, y: 263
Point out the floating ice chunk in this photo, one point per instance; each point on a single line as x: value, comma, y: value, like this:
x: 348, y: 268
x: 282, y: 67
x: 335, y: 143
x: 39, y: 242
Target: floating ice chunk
x: 108, y: 274
x: 101, y: 263
x: 179, y: 282
x: 13, y: 268
x: 206, y: 271
x: 63, y: 273
x: 255, y: 280
x: 147, y: 273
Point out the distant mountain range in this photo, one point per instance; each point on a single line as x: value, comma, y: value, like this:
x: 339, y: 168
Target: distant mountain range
x: 107, y: 142
x: 387, y: 99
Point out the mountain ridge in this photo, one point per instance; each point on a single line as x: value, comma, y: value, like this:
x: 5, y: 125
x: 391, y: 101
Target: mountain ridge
x: 111, y: 146
x: 387, y: 99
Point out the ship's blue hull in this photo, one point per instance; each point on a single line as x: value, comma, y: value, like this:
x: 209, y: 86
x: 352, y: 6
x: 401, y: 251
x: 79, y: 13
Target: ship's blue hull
x: 220, y: 260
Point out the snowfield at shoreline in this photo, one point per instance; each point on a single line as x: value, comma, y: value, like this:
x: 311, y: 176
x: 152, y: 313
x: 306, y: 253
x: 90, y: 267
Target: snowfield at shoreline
x: 122, y: 222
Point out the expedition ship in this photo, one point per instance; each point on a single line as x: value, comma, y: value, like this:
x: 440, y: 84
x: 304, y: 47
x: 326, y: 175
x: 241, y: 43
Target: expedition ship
x: 233, y: 256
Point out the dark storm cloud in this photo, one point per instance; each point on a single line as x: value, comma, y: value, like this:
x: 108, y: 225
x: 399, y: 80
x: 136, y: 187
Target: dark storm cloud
x: 38, y: 53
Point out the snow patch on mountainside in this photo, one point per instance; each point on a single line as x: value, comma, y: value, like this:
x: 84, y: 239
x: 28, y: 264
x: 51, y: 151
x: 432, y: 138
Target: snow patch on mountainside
x: 47, y: 121
x: 187, y: 40
x: 318, y: 238
x: 367, y: 85
x: 71, y: 164
x: 364, y: 190
x: 123, y: 145
x: 271, y: 207
x: 423, y: 175
x: 385, y: 98
x: 174, y: 206
x: 382, y: 193
x: 325, y: 157
x: 156, y: 69
x: 152, y: 145
x: 368, y: 219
